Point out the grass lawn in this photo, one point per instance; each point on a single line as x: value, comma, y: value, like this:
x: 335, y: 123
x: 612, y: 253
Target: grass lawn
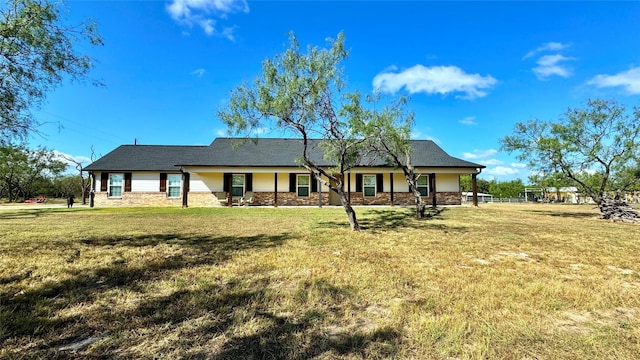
x: 500, y: 281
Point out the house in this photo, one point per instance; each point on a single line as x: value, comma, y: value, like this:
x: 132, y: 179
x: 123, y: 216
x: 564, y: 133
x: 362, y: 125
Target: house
x: 265, y: 172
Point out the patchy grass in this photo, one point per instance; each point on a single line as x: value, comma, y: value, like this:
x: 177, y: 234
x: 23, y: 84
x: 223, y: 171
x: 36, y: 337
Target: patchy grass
x: 499, y: 281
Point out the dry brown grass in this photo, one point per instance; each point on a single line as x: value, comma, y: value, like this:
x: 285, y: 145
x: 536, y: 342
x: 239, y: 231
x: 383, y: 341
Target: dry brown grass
x: 501, y: 281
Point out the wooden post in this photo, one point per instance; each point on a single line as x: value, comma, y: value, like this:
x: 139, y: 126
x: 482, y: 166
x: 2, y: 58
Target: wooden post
x: 275, y: 189
x: 230, y: 193
x: 348, y: 187
x: 185, y: 189
x: 319, y: 192
x: 433, y: 186
x: 391, y: 188
x: 474, y: 188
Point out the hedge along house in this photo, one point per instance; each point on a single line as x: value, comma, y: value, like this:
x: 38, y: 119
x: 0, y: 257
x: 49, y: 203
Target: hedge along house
x: 267, y: 173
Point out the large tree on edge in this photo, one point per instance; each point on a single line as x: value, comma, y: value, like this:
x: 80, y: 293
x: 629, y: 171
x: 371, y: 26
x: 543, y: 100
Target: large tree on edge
x: 601, y: 137
x: 37, y: 51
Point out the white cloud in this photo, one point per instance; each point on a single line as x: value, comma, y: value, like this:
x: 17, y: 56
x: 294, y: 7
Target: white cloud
x: 518, y: 165
x: 222, y: 133
x: 479, y: 154
x: 550, y: 46
x: 199, y: 72
x: 203, y: 13
x: 549, y: 65
x: 628, y: 80
x: 501, y: 171
x: 491, y: 162
x: 434, y: 80
x: 469, y: 120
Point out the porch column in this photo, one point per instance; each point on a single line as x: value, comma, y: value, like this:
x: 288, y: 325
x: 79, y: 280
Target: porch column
x: 185, y: 189
x: 391, y: 190
x: 433, y: 187
x: 348, y: 187
x: 275, y: 189
x: 474, y: 189
x: 230, y: 193
x: 319, y: 191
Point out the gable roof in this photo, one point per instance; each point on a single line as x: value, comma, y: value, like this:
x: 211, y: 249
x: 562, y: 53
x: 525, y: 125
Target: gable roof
x: 266, y: 152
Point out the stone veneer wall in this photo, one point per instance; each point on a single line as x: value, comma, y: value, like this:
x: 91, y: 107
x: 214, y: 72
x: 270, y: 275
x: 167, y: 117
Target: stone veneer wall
x: 207, y: 199
x: 289, y: 199
x: 137, y: 199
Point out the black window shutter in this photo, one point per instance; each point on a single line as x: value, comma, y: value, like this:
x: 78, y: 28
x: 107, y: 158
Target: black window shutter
x: 379, y: 185
x: 358, y: 182
x: 226, y: 179
x: 249, y: 182
x: 127, y: 182
x: 314, y: 183
x: 163, y: 182
x: 292, y: 182
x: 104, y: 177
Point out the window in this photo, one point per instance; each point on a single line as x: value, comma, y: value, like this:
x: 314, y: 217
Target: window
x: 423, y: 185
x: 303, y: 185
x: 173, y: 181
x: 369, y: 185
x: 115, y: 185
x: 237, y: 185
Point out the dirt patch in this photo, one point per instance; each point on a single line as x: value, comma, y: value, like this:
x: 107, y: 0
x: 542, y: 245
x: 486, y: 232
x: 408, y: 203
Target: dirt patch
x: 585, y: 322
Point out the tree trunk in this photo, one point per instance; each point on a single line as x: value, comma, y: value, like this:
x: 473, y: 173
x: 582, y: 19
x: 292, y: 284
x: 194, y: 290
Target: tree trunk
x: 412, y: 181
x: 351, y: 214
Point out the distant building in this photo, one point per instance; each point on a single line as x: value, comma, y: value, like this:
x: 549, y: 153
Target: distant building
x: 482, y: 197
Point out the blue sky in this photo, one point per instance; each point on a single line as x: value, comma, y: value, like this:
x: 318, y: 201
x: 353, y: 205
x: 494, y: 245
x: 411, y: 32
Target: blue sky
x: 472, y: 69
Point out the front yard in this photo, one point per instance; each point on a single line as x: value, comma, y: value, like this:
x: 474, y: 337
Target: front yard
x: 500, y: 281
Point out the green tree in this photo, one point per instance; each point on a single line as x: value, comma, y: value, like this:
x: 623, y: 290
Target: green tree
x: 23, y: 170
x: 37, y: 51
x: 388, y: 132
x: 482, y: 184
x: 303, y: 94
x: 601, y: 138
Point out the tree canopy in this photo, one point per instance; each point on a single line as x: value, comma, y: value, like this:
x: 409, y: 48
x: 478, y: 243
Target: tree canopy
x: 37, y: 51
x: 601, y: 138
x: 302, y: 93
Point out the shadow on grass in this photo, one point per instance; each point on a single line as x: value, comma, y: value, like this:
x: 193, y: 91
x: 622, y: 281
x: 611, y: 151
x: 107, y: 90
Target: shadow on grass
x: 211, y: 318
x: 575, y: 215
x: 376, y: 220
x: 31, y: 312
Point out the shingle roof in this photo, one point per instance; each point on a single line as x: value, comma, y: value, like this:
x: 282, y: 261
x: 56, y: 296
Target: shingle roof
x: 147, y: 158
x: 266, y: 152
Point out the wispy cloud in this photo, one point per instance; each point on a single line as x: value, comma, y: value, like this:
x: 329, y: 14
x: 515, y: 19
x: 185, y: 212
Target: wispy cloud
x: 501, y: 171
x: 491, y: 162
x: 199, y: 72
x: 205, y: 13
x: 550, y: 46
x: 434, y: 80
x: 628, y: 80
x: 469, y: 120
x: 479, y: 154
x: 549, y: 65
